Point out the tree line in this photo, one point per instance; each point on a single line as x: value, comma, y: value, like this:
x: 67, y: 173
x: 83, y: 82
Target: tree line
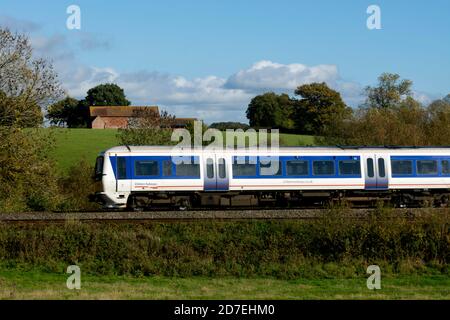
x: 388, y: 116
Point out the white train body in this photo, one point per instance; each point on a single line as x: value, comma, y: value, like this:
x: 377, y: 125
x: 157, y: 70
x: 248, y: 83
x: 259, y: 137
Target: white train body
x: 225, y: 175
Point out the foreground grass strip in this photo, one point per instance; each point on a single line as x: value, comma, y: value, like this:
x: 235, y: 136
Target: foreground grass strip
x: 39, y: 285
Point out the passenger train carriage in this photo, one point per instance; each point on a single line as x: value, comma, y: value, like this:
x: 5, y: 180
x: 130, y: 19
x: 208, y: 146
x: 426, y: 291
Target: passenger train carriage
x: 137, y: 177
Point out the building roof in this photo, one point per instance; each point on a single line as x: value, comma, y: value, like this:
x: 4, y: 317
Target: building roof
x: 119, y: 111
x: 109, y: 122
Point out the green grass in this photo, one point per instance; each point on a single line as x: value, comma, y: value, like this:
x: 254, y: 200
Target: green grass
x: 293, y: 140
x: 40, y: 285
x: 72, y: 145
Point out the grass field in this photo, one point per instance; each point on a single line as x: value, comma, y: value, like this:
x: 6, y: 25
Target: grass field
x: 72, y: 145
x: 39, y: 285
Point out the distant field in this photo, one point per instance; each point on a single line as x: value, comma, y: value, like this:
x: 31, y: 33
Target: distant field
x: 293, y: 140
x: 72, y: 145
x: 39, y: 285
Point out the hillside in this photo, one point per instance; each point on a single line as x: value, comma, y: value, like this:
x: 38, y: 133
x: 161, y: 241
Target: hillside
x: 72, y: 145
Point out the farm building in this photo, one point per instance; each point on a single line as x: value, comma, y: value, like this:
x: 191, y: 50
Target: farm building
x: 115, y: 117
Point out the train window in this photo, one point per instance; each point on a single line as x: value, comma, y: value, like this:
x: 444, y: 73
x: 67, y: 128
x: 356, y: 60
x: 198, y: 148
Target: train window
x: 209, y: 168
x: 187, y: 169
x: 370, y: 171
x: 146, y: 168
x: 167, y: 168
x: 98, y: 169
x: 445, y: 166
x: 349, y: 167
x: 121, y: 168
x: 269, y: 167
x: 297, y: 168
x: 221, y: 168
x: 244, y: 166
x: 427, y: 167
x: 381, y: 168
x: 323, y: 167
x: 401, y: 166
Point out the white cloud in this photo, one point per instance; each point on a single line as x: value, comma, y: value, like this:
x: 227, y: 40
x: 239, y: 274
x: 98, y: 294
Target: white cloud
x: 424, y: 98
x: 266, y: 75
x: 204, y: 98
x: 77, y: 80
x: 18, y: 24
x: 210, y: 98
x: 90, y: 41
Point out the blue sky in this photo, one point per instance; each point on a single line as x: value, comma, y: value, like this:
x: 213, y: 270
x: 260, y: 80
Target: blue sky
x: 208, y: 58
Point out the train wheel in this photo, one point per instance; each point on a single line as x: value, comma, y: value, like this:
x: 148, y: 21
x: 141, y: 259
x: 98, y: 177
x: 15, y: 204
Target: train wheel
x: 134, y: 205
x: 184, y: 204
x: 444, y: 201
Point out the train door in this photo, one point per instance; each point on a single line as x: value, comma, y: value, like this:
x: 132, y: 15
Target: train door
x: 216, y: 175
x: 122, y: 173
x: 382, y: 171
x: 376, y: 176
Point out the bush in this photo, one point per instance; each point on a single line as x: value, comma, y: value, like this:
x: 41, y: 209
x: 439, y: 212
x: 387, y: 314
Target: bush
x: 148, y: 128
x: 329, y: 246
x: 27, y: 175
x: 222, y: 126
x: 76, y: 187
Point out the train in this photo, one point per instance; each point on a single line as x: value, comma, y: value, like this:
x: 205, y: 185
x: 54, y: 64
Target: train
x: 145, y: 177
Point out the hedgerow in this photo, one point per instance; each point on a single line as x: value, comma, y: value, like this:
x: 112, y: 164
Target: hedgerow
x: 330, y: 245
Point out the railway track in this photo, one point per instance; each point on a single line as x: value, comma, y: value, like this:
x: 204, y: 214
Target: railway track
x: 199, y: 215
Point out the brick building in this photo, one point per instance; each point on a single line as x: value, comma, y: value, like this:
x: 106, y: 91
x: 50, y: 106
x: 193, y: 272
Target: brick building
x: 115, y: 117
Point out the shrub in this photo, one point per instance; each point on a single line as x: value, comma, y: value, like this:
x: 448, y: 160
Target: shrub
x: 76, y: 187
x: 329, y: 246
x: 27, y: 175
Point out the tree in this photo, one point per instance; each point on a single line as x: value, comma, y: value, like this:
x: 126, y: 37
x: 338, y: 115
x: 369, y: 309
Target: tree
x: 201, y: 127
x: 404, y: 125
x: 447, y: 98
x: 222, y: 126
x: 438, y: 126
x: 67, y: 112
x: 148, y: 128
x: 28, y: 179
x: 391, y: 117
x: 320, y: 108
x: 75, y: 114
x: 270, y: 110
x: 27, y: 84
x: 389, y: 92
x: 14, y: 111
x: 108, y: 94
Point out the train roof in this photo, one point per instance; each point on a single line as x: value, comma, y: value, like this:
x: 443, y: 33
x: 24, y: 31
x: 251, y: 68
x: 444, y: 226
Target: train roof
x: 145, y: 149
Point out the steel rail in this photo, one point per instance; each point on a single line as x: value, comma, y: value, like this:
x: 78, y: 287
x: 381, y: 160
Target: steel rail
x: 212, y: 215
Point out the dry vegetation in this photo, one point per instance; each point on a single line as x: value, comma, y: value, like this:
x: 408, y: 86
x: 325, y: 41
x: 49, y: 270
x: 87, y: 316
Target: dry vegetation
x: 332, y: 246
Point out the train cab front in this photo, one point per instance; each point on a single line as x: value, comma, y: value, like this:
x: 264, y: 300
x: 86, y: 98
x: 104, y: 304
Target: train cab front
x: 101, y: 195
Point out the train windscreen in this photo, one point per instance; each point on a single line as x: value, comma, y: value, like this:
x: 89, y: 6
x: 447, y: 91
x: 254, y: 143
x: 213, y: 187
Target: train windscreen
x: 98, y: 172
